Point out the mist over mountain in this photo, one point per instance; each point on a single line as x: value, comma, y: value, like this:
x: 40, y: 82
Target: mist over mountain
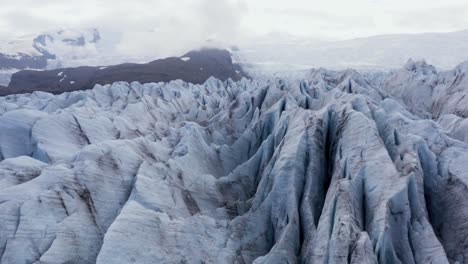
x: 79, y: 47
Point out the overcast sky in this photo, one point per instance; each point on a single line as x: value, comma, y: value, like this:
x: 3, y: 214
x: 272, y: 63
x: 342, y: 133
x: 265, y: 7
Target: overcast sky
x: 168, y: 23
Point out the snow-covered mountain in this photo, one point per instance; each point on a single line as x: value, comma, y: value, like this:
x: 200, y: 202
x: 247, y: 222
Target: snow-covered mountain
x: 339, y: 167
x: 46, y: 51
x: 59, y: 46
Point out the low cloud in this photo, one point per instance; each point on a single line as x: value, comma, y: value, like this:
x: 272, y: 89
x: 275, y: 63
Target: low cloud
x: 195, y: 24
x: 159, y: 28
x: 433, y: 19
x: 155, y: 28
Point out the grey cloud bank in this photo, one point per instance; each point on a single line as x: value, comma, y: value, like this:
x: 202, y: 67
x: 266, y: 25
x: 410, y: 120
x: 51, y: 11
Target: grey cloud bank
x: 175, y: 26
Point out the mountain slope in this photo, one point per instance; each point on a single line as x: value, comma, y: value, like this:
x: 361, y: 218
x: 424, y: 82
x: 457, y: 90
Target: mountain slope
x: 195, y: 67
x: 330, y: 169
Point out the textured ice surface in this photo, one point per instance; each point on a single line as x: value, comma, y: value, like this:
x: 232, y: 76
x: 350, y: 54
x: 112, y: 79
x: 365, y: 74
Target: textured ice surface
x: 331, y: 169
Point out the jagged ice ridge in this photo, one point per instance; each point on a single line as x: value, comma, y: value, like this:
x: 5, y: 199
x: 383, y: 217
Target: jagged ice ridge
x: 332, y: 169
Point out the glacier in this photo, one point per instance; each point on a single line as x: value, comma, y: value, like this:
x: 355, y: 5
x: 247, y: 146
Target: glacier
x: 284, y: 52
x: 338, y: 167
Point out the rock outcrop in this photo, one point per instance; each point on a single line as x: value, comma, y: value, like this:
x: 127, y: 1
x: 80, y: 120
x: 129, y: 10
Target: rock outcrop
x: 195, y: 67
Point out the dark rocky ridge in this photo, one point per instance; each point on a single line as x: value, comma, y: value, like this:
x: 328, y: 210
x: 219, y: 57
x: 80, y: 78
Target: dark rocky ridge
x: 201, y: 65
